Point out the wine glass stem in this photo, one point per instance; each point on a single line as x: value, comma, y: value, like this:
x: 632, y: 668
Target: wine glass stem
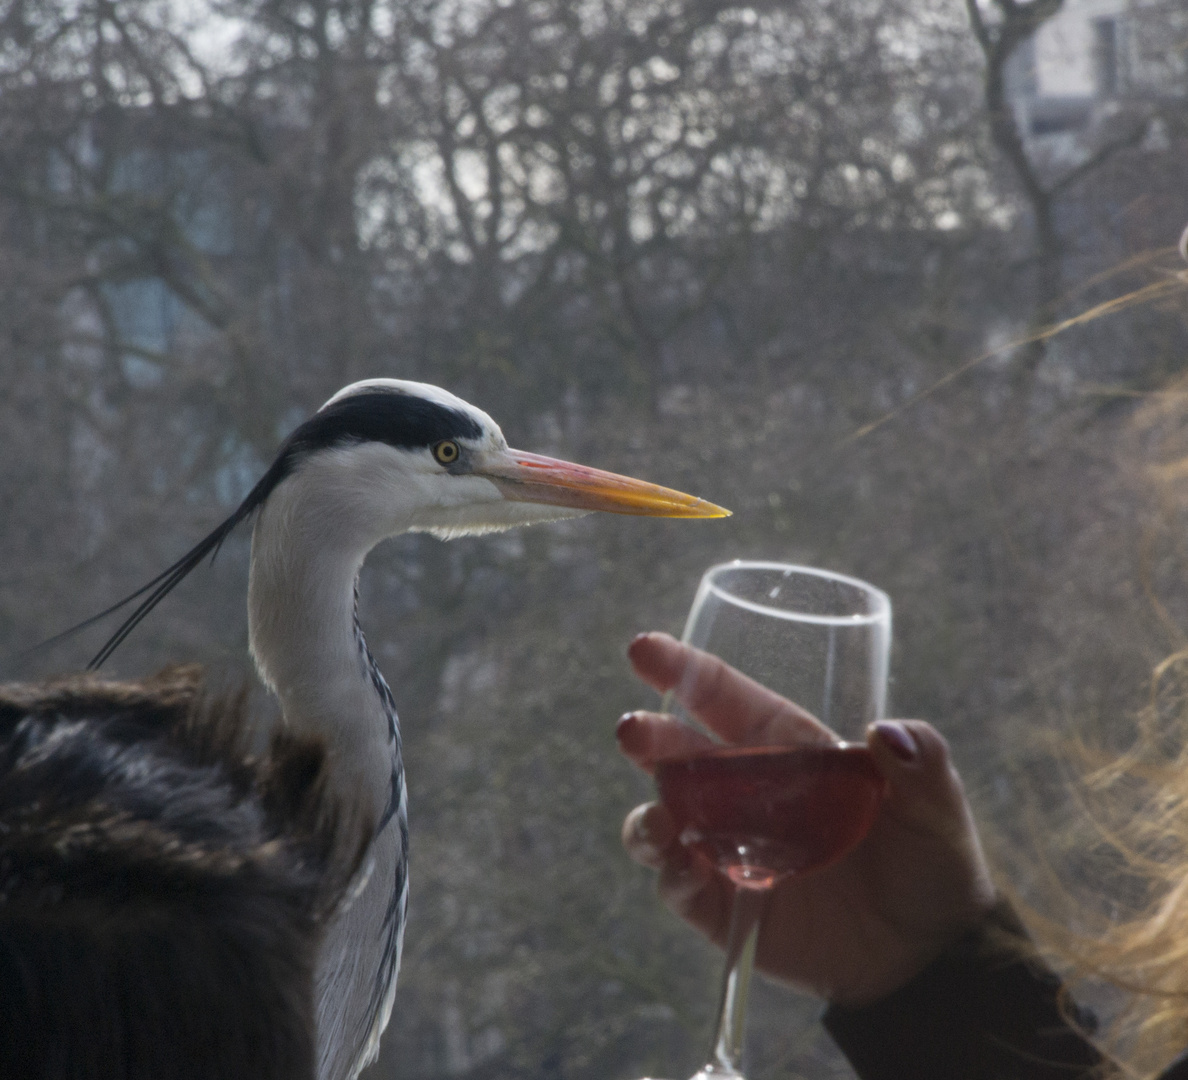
x: 726, y: 1053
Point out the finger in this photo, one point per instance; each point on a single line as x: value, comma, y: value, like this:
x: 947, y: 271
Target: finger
x: 736, y: 707
x: 691, y: 888
x: 648, y: 737
x: 924, y: 790
x: 925, y: 795
x: 648, y: 835
x: 688, y: 883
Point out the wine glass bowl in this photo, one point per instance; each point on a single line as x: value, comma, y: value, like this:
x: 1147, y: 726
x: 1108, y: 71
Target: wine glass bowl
x: 816, y: 638
x: 763, y: 813
x: 762, y: 808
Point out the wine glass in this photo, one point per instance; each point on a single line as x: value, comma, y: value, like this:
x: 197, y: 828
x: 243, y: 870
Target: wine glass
x: 765, y: 813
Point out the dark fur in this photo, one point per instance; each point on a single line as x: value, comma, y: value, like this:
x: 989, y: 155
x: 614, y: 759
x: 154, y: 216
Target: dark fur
x: 162, y: 893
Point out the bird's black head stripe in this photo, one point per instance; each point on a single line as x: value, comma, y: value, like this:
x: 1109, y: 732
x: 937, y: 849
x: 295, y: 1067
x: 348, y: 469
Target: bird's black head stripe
x: 383, y: 416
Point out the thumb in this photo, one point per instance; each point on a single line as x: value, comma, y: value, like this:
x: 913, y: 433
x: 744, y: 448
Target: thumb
x: 930, y: 830
x: 929, y: 833
x: 923, y: 787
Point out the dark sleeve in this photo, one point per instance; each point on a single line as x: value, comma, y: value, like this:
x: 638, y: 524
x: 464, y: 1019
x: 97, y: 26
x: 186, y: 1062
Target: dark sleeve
x: 986, y: 1009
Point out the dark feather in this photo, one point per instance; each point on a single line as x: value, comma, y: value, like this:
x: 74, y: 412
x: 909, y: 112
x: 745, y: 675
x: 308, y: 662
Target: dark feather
x: 162, y: 892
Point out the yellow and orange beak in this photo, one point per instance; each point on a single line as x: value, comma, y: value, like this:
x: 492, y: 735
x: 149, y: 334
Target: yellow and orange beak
x: 524, y: 477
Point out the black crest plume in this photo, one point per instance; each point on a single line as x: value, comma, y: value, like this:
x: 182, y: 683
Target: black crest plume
x: 375, y: 415
x: 153, y: 592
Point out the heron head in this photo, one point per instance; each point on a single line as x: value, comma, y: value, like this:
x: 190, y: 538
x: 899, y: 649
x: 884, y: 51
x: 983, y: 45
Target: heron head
x: 387, y: 456
x: 416, y: 458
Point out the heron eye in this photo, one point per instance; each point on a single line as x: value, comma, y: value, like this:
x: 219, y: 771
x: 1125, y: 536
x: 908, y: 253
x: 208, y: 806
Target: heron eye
x: 446, y: 452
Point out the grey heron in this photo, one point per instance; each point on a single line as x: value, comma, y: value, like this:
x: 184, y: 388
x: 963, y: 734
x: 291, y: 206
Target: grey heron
x: 381, y: 458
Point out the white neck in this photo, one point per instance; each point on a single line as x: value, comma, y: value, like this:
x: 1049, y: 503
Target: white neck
x: 308, y: 546
x: 313, y: 533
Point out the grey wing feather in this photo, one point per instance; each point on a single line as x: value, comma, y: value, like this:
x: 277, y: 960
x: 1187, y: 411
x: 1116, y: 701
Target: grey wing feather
x: 360, y: 959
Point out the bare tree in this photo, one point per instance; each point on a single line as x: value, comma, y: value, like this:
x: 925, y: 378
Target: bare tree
x: 701, y: 242
x: 1001, y: 28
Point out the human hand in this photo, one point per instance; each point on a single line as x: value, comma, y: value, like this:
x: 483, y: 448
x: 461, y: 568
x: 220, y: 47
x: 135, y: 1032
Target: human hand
x: 858, y: 929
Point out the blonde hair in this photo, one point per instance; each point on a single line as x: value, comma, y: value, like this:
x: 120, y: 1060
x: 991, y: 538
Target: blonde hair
x: 1125, y: 925
x: 1135, y: 937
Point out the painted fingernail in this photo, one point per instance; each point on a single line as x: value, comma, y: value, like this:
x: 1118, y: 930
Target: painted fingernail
x: 645, y: 831
x: 898, y: 740
x: 628, y: 731
x: 662, y: 830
